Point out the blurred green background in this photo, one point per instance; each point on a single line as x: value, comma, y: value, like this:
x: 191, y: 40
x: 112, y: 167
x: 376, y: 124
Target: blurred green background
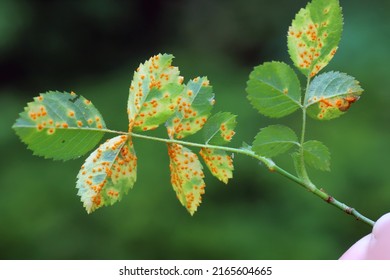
x: 92, y: 47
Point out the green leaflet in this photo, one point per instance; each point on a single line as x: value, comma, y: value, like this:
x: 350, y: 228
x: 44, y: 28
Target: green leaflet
x: 316, y: 155
x: 331, y: 94
x: 273, y: 89
x: 219, y: 163
x: 60, y: 125
x: 153, y: 92
x: 186, y: 176
x: 108, y: 173
x: 219, y: 128
x: 314, y: 35
x: 274, y: 140
x: 193, y: 108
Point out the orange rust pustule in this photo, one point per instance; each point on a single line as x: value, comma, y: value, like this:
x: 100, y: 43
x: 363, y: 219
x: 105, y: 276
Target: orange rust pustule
x: 343, y: 103
x: 97, y: 200
x: 217, y: 164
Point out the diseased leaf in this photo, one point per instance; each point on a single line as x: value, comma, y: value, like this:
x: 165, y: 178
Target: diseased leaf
x: 219, y: 163
x: 331, y: 94
x: 60, y: 125
x: 314, y: 35
x: 186, y: 176
x: 274, y: 140
x: 108, y: 173
x: 274, y: 90
x: 316, y: 155
x: 219, y: 128
x: 193, y: 109
x: 153, y: 92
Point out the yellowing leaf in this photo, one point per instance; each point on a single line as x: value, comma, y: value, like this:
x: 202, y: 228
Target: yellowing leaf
x: 193, y: 109
x: 314, y: 35
x: 186, y: 176
x: 60, y: 125
x: 219, y: 163
x: 331, y: 94
x: 219, y: 128
x: 108, y: 173
x: 153, y: 92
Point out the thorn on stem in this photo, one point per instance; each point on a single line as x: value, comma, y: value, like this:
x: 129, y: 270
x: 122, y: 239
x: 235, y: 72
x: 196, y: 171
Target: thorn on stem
x: 349, y: 210
x: 330, y: 199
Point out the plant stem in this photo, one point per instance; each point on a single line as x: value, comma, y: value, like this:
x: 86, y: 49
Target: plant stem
x: 105, y: 130
x: 272, y: 167
x: 304, y: 112
x: 302, y: 167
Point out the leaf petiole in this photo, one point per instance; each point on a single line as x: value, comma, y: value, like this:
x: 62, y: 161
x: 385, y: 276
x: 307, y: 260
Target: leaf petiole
x: 273, y: 167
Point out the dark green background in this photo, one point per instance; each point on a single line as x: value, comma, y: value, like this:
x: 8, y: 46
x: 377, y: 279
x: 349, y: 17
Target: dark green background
x: 93, y: 47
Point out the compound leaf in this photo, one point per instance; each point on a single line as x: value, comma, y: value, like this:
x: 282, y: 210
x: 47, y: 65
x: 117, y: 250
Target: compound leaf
x: 316, y: 155
x: 331, y: 94
x: 193, y: 109
x: 274, y: 90
x: 60, y: 125
x: 219, y: 163
x: 314, y: 35
x: 153, y: 92
x: 219, y: 128
x: 274, y: 140
x: 186, y: 176
x: 108, y: 173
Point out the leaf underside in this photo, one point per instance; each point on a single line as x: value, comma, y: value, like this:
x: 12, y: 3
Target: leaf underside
x: 274, y: 140
x: 193, y: 109
x: 60, y: 125
x: 192, y: 114
x: 314, y: 35
x: 219, y: 128
x: 186, y: 176
x: 219, y: 163
x: 108, y: 173
x: 153, y: 92
x: 273, y: 89
x: 331, y: 94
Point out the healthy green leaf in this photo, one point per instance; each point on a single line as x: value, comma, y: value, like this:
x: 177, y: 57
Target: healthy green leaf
x: 314, y: 35
x: 219, y: 128
x: 316, y: 155
x: 331, y: 94
x: 186, y: 176
x: 274, y: 90
x: 193, y: 109
x: 274, y: 140
x: 219, y: 163
x: 108, y: 173
x: 153, y: 92
x: 60, y: 125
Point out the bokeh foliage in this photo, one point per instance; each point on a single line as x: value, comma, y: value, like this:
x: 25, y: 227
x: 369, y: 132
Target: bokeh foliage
x: 93, y: 47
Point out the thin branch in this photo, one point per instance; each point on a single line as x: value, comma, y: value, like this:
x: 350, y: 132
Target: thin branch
x: 272, y: 167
